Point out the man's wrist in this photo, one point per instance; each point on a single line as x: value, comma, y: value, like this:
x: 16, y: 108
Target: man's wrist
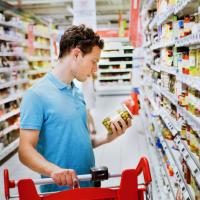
x: 51, y: 168
x: 99, y: 141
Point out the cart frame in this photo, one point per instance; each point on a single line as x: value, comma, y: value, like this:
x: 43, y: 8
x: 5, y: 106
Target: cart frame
x: 128, y: 189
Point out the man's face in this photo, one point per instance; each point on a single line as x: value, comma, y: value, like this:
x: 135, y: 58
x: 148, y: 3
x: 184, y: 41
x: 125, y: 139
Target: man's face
x: 86, y: 65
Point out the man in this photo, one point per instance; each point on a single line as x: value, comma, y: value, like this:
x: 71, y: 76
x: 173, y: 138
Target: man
x: 54, y: 137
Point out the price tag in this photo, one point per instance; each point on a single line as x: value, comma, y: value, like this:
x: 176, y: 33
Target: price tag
x: 191, y: 164
x: 197, y: 177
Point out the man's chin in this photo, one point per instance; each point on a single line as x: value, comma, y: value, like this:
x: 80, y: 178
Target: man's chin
x: 82, y: 79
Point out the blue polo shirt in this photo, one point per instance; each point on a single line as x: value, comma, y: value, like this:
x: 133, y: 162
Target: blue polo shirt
x: 58, y: 112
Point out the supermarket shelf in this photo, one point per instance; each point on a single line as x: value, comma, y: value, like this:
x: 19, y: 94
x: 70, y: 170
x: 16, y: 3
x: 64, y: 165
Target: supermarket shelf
x: 171, y: 183
x: 161, y: 18
x: 11, y: 54
x: 37, y: 45
x: 146, y: 24
x: 169, y: 70
x: 115, y: 55
x: 10, y: 98
x: 173, y: 155
x: 156, y: 166
x: 20, y: 67
x: 8, y: 130
x: 114, y: 78
x: 10, y: 38
x: 176, y: 124
x: 190, y: 159
x: 40, y: 34
x: 150, y: 5
x: 155, y: 68
x: 5, y: 69
x: 153, y: 23
x: 162, y: 44
x: 8, y: 115
x: 189, y: 80
x: 117, y: 48
x: 146, y: 44
x: 192, y: 120
x: 189, y: 40
x: 113, y: 89
x: 38, y: 58
x: 9, y: 149
x: 181, y: 5
x: 115, y: 62
x: 41, y: 46
x: 113, y: 70
x: 189, y: 117
x: 9, y: 69
x: 116, y: 39
x: 154, y: 105
x: 168, y: 122
x: 170, y: 96
x: 165, y: 15
x: 10, y: 24
x: 39, y: 71
x: 12, y: 83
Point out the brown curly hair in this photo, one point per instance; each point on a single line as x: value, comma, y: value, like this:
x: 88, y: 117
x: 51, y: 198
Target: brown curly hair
x: 79, y: 36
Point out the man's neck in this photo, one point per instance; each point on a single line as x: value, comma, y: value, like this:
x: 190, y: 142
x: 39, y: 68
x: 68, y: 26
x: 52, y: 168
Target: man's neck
x: 63, y: 72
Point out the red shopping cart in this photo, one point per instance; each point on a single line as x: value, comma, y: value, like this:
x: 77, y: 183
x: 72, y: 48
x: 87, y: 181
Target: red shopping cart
x: 128, y: 189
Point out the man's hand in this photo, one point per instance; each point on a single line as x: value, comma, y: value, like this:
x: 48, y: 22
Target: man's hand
x: 64, y: 177
x: 118, y: 130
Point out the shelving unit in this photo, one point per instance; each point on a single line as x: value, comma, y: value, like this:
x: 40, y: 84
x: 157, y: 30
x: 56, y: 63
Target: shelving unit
x: 26, y: 55
x: 13, y: 81
x: 114, y: 75
x: 171, y: 100
x: 172, y: 154
x: 9, y: 149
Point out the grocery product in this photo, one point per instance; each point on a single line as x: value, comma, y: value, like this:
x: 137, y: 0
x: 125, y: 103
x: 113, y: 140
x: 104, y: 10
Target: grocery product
x: 122, y: 113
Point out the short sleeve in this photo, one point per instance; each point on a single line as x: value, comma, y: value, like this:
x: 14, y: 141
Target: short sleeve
x: 31, y: 111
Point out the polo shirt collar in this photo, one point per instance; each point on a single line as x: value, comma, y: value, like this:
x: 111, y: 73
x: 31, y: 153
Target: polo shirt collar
x: 58, y: 83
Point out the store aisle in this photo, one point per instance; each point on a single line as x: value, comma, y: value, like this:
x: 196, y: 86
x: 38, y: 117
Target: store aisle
x: 122, y: 153
x: 125, y: 151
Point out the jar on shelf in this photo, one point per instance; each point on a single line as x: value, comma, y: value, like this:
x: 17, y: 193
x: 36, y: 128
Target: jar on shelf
x: 192, y: 61
x: 197, y: 106
x: 167, y: 134
x: 198, y: 63
x: 186, y: 171
x: 194, y: 142
x: 183, y: 132
x: 188, y: 134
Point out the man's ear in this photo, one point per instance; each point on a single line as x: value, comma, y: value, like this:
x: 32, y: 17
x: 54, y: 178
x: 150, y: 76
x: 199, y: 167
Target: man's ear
x: 76, y: 52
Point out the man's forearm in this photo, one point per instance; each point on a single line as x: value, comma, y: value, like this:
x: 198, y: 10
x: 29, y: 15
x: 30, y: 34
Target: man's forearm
x: 32, y: 159
x: 98, y: 141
